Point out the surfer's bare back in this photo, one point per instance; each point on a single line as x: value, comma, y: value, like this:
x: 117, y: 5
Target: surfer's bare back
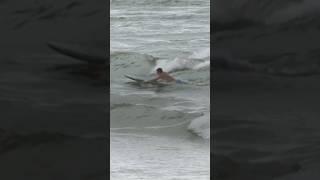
x: 161, y: 75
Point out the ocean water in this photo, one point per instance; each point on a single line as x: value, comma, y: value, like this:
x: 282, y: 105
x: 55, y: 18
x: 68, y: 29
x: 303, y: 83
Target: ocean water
x: 160, y: 132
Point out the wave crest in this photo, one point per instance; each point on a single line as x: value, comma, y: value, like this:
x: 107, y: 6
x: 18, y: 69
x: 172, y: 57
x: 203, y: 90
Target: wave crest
x: 135, y: 63
x: 197, y: 60
x: 201, y: 126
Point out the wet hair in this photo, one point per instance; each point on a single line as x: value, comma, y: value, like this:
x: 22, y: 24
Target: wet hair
x: 159, y: 70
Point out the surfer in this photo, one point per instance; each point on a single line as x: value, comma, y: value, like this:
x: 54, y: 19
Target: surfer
x: 161, y: 75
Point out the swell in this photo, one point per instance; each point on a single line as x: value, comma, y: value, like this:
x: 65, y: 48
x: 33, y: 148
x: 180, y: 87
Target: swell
x: 130, y: 62
x: 155, y: 118
x: 168, y: 3
x: 199, y: 125
x: 143, y: 65
x: 162, y: 115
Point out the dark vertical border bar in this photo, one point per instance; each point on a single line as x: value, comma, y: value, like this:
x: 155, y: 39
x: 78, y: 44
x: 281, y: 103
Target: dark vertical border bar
x: 108, y: 85
x: 53, y: 95
x: 265, y: 94
x: 211, y: 91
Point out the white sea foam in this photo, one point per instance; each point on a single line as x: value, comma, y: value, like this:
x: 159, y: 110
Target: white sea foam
x: 201, y: 126
x: 197, y: 60
x: 174, y: 65
x: 203, y: 65
x: 201, y: 54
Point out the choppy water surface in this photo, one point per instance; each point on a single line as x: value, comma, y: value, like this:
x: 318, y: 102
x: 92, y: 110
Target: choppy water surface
x: 160, y: 132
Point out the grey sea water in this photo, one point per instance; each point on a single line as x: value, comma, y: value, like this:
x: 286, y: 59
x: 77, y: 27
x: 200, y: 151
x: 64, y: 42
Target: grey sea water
x: 160, y: 132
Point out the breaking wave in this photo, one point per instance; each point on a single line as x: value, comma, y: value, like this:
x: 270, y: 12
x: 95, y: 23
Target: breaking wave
x: 165, y: 113
x: 198, y: 60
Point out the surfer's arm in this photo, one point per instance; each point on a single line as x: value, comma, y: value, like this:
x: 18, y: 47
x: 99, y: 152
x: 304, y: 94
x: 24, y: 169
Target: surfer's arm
x: 153, y: 80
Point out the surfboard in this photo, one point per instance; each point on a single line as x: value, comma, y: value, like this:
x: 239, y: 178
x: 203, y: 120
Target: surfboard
x: 135, y: 79
x: 142, y: 82
x: 79, y: 53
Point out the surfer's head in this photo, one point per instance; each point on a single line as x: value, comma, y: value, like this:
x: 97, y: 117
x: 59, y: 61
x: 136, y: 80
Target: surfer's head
x: 159, y: 70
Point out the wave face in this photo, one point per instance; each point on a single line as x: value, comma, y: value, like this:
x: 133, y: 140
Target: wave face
x: 152, y: 109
